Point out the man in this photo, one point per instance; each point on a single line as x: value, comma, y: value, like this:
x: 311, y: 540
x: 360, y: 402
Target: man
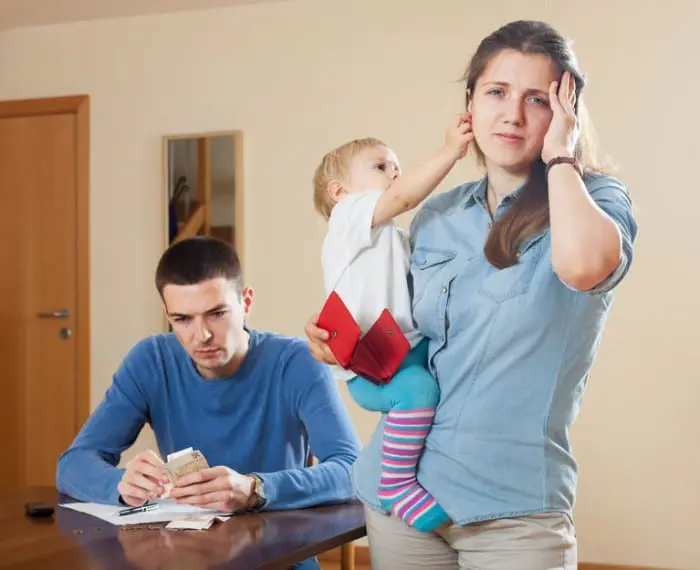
x: 254, y: 403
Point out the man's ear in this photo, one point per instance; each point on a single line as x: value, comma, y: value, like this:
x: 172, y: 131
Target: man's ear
x: 336, y: 190
x: 247, y: 299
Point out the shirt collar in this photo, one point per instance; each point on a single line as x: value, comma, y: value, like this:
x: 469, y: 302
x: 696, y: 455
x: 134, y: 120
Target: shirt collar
x: 478, y: 194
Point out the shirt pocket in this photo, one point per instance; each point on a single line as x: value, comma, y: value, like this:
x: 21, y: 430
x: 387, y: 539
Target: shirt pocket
x: 431, y: 274
x: 500, y: 285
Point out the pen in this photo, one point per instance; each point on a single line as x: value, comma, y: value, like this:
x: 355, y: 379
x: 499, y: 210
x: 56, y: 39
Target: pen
x: 141, y: 509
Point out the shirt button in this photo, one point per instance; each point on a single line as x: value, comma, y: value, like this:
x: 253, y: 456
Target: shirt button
x: 443, y: 289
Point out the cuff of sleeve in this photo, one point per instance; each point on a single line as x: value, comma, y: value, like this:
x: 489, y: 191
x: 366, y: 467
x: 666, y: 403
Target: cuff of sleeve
x: 269, y: 489
x: 609, y: 282
x: 115, y: 498
x: 613, y: 279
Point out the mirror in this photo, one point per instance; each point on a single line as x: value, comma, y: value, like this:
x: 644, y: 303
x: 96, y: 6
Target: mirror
x: 205, y: 187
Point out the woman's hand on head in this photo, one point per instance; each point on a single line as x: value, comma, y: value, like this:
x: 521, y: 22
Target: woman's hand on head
x: 317, y: 342
x: 563, y: 132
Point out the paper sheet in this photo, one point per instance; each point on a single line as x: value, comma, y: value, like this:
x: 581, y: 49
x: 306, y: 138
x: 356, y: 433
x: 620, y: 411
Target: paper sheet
x: 168, y: 511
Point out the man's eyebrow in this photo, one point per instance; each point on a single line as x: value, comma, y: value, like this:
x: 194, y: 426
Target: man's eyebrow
x: 178, y: 315
x: 215, y: 309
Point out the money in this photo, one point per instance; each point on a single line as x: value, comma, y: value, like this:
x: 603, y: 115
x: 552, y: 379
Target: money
x: 195, y: 522
x: 183, y: 463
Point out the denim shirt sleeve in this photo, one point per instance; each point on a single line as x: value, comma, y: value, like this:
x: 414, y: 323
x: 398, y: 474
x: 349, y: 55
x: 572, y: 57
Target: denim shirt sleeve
x: 612, y: 197
x: 609, y: 193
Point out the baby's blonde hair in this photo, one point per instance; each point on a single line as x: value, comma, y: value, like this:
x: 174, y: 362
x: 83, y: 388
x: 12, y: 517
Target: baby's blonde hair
x: 335, y: 165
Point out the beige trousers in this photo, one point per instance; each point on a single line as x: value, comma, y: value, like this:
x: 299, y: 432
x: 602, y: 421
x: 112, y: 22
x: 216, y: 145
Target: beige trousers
x: 538, y: 542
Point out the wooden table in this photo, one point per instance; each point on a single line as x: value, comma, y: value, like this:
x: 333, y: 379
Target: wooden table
x: 75, y: 541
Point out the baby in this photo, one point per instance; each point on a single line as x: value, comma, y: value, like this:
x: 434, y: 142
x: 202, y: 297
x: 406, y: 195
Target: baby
x: 359, y: 189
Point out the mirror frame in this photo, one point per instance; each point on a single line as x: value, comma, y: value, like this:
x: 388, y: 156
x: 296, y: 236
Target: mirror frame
x: 239, y: 189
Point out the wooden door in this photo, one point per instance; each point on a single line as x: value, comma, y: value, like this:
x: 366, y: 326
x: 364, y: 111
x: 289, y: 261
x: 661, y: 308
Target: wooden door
x: 44, y: 309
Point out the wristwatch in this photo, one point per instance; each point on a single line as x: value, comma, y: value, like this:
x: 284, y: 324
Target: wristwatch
x: 258, y: 492
x: 564, y: 160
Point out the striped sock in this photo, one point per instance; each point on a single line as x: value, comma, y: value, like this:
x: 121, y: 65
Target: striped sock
x: 399, y: 491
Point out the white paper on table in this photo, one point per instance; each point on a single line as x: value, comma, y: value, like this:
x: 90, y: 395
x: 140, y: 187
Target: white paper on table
x: 168, y: 511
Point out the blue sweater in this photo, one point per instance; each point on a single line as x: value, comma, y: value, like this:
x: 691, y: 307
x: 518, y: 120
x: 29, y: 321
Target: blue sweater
x: 265, y: 419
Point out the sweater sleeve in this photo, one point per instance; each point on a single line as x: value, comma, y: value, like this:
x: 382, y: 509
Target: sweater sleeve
x: 87, y: 470
x: 332, y: 438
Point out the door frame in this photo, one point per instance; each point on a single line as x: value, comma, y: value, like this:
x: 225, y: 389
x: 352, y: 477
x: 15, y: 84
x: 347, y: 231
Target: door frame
x: 79, y: 106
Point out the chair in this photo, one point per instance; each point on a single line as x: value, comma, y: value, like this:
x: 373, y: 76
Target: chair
x: 347, y: 556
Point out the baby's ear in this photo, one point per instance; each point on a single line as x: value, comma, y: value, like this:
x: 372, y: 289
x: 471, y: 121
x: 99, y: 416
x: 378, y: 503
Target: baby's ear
x: 336, y: 190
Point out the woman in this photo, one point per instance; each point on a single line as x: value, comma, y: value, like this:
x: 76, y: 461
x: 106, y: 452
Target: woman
x: 513, y: 277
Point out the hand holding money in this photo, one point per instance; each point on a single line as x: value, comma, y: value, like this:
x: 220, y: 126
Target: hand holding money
x: 183, y: 463
x: 218, y: 488
x: 144, y: 479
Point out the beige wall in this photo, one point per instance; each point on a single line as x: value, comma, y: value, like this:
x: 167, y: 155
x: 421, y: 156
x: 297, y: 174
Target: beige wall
x: 296, y: 79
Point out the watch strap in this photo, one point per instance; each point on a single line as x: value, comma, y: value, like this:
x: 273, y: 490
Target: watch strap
x: 259, y: 492
x: 564, y: 160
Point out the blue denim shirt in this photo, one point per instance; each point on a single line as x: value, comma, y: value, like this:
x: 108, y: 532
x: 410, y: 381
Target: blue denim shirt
x: 511, y: 350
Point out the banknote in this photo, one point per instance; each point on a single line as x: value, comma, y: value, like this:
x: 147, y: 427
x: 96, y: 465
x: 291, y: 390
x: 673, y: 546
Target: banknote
x: 183, y: 463
x: 195, y: 522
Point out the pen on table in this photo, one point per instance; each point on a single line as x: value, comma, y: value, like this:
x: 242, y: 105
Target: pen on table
x: 141, y: 509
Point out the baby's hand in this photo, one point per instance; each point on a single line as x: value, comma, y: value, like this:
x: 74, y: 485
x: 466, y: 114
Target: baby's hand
x: 459, y: 135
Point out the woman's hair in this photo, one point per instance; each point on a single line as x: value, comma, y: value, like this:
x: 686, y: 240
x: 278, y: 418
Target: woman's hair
x: 335, y: 165
x: 529, y: 215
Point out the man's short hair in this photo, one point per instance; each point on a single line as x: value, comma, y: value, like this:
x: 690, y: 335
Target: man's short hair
x: 196, y: 259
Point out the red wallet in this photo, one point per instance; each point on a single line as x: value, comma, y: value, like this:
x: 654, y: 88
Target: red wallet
x: 375, y: 356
